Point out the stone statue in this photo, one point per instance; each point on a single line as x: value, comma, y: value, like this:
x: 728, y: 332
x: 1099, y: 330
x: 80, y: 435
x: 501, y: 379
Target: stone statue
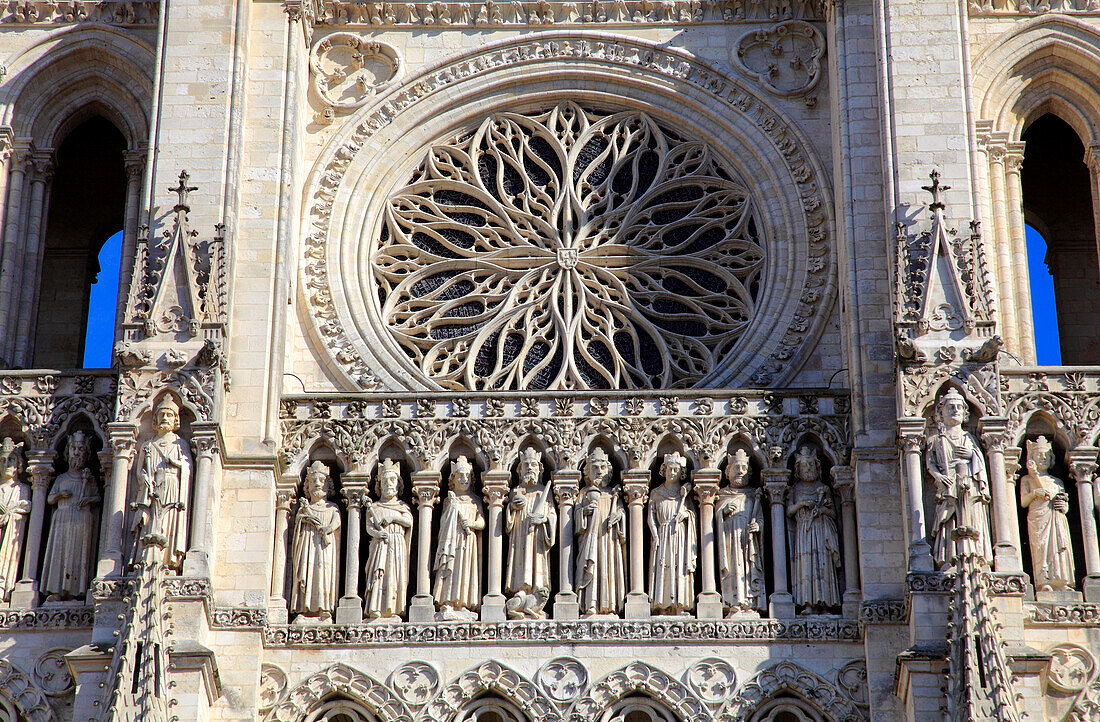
x: 389, y: 525
x: 675, y: 540
x: 740, y: 547
x: 815, y: 546
x: 957, y: 467
x: 74, y: 526
x: 315, y: 550
x: 165, y: 473
x: 601, y: 540
x: 457, y: 589
x: 1044, y: 496
x: 15, y: 504
x: 531, y: 522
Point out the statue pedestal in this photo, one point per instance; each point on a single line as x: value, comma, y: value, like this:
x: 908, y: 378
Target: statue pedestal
x: 24, y: 596
x: 1091, y: 588
x: 637, y: 606
x: 781, y: 606
x: 277, y: 613
x: 349, y: 610
x: 709, y: 606
x: 422, y: 608
x: 1067, y: 596
x: 196, y: 564
x: 566, y: 606
x: 492, y: 608
x: 850, y: 606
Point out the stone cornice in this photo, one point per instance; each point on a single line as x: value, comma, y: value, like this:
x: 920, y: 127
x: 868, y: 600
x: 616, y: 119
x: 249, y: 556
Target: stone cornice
x: 137, y: 13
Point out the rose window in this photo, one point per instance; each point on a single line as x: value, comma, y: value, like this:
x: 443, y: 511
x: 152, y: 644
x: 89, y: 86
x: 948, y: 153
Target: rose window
x: 569, y: 250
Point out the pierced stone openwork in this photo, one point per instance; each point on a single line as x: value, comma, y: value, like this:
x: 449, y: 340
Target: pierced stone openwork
x: 571, y: 249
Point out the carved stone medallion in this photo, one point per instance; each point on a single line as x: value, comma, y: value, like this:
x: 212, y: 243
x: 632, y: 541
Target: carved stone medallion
x: 852, y: 680
x: 272, y: 685
x: 563, y: 679
x: 712, y: 679
x: 346, y: 71
x: 415, y: 683
x: 785, y: 58
x: 1071, y: 668
x: 52, y: 674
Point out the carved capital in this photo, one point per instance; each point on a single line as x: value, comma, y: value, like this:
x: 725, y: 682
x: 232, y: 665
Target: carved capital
x: 996, y: 148
x: 776, y: 491
x: 355, y: 497
x: 43, y: 163
x: 1082, y: 463
x: 706, y: 482
x: 1092, y: 157
x: 1014, y: 157
x: 636, y: 493
x: 122, y: 438
x: 565, y: 492
x: 1012, y: 463
x: 425, y: 486
x: 40, y: 468
x: 283, y: 500
x: 205, y: 444
x: 494, y: 486
x: 844, y: 479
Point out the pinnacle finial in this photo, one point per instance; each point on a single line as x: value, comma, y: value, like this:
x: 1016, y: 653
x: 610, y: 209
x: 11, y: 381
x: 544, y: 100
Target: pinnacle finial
x: 182, y: 190
x: 936, y: 189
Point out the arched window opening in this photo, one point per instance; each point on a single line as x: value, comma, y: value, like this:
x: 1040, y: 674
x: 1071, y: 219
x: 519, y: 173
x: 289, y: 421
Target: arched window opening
x: 786, y: 709
x: 638, y: 709
x: 491, y: 709
x: 1057, y: 201
x: 1048, y: 351
x: 86, y: 207
x: 341, y: 710
x: 103, y: 305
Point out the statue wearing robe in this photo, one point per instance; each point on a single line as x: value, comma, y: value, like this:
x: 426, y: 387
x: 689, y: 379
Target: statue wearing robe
x: 1046, y: 501
x: 740, y: 547
x: 675, y: 540
x: 531, y: 522
x: 15, y: 504
x: 815, y: 545
x: 74, y: 526
x: 315, y: 550
x: 601, y: 541
x: 165, y: 473
x: 457, y: 589
x: 389, y: 525
x: 957, y: 467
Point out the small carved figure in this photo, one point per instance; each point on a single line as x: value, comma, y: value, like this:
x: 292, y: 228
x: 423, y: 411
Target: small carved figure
x: 457, y: 567
x: 740, y: 548
x: 815, y: 546
x: 531, y: 522
x: 957, y: 467
x: 15, y: 504
x: 315, y: 550
x: 1044, y: 496
x: 675, y: 540
x: 165, y: 474
x: 389, y: 525
x: 601, y: 540
x: 74, y: 526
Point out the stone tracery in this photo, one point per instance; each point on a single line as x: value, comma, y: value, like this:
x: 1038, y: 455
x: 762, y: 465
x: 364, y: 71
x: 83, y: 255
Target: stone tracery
x: 569, y: 249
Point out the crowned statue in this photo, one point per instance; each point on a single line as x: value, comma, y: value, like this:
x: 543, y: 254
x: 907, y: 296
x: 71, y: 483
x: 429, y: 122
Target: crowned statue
x: 315, y: 549
x: 389, y: 524
x: 1044, y: 496
x: 74, y: 526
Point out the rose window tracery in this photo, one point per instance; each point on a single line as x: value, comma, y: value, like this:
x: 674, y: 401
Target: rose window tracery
x: 571, y: 249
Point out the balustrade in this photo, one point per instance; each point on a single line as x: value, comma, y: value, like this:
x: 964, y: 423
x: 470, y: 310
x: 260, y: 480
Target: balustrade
x: 568, y: 482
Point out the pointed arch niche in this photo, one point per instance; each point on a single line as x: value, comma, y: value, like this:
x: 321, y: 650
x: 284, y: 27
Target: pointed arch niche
x: 73, y: 129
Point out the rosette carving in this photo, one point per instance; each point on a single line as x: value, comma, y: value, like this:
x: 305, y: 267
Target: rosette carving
x: 569, y: 250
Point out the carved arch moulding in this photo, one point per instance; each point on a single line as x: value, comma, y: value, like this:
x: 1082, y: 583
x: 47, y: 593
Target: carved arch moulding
x: 734, y: 197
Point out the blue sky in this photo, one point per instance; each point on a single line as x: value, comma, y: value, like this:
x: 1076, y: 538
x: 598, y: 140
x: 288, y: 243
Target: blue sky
x: 104, y: 299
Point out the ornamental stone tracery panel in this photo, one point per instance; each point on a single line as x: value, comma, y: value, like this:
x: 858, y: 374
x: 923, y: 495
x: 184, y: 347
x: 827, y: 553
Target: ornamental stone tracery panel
x: 460, y: 236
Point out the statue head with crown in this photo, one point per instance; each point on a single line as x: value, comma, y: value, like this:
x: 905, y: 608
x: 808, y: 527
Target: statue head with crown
x: 389, y: 479
x: 10, y: 460
x: 462, y: 474
x: 1040, y: 455
x: 530, y: 466
x: 952, y: 411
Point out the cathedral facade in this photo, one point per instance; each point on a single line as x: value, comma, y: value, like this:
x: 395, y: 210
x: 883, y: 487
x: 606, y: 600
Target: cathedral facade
x: 523, y: 361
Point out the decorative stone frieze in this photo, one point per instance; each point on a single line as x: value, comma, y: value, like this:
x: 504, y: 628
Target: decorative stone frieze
x: 884, y: 611
x: 131, y: 13
x: 44, y: 404
x: 822, y: 629
x: 1070, y: 615
x: 542, y: 13
x: 38, y: 619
